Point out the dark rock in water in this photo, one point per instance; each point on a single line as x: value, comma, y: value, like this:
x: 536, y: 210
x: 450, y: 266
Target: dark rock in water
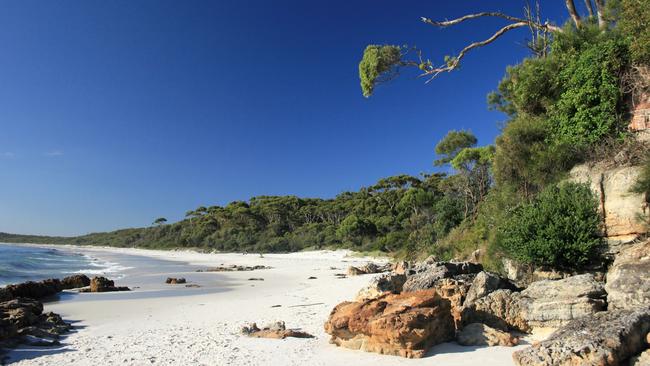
x: 628, y: 284
x: 175, y: 281
x: 35, y: 290
x: 256, y: 279
x: 233, y: 268
x: 103, y: 284
x: 605, y: 338
x: 277, y: 330
x: 404, y: 324
x: 76, y: 281
x: 424, y: 275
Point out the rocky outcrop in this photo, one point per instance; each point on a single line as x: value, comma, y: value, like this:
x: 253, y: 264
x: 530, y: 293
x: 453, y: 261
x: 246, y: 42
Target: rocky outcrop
x: 404, y: 324
x: 233, y: 268
x: 628, y: 279
x: 621, y: 210
x: 35, y: 290
x: 501, y: 309
x: 424, y: 275
x: 381, y: 285
x: 369, y: 268
x: 641, y: 360
x: 76, y: 281
x: 175, y: 281
x: 554, y: 303
x: 604, y: 338
x: 23, y: 321
x: 103, y: 284
x: 277, y: 330
x: 455, y: 290
x: 485, y: 283
x: 477, y: 334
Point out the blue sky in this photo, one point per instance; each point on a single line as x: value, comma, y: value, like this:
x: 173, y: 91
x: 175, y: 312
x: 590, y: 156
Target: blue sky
x: 113, y: 113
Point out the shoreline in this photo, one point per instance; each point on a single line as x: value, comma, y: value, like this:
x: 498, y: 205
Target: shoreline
x: 167, y: 324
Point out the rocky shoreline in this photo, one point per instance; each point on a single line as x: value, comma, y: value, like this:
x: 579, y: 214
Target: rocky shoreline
x: 406, y: 311
x: 22, y: 320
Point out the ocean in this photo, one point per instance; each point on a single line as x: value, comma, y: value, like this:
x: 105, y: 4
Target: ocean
x: 20, y: 263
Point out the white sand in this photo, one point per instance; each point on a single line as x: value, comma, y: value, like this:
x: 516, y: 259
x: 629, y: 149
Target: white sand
x: 204, y: 329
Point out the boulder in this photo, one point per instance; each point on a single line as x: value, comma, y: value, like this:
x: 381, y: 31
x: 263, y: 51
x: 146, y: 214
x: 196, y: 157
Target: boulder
x: 369, y: 268
x: 477, y: 334
x: 455, y: 290
x: 382, y: 284
x: 175, y: 281
x: 641, y: 360
x: 501, y: 309
x: 103, y: 284
x: 75, y: 281
x: 276, y: 330
x: 628, y: 284
x: 405, y: 324
x: 401, y: 267
x: 604, y: 338
x: 522, y: 275
x: 485, y: 283
x: 424, y: 275
x: 35, y: 290
x: 22, y: 320
x: 554, y: 303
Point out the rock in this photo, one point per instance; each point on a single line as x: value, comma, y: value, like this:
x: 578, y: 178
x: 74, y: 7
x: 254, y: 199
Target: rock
x: 233, y: 268
x: 22, y: 321
x: 401, y: 267
x: 605, y: 338
x: 455, y: 290
x: 256, y: 279
x: 175, y: 281
x: 627, y: 279
x: 76, y: 281
x: 405, y: 324
x: 477, y: 334
x: 103, y: 284
x: 554, y: 303
x: 425, y: 275
x: 193, y: 285
x: 369, y: 268
x: 275, y: 330
x: 382, y: 284
x: 620, y: 208
x: 641, y: 360
x: 35, y: 290
x: 523, y: 275
x: 501, y: 309
x: 483, y: 284
x: 5, y: 295
x: 311, y: 278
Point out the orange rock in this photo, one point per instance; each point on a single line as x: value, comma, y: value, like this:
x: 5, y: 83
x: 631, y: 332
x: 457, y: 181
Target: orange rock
x: 404, y: 324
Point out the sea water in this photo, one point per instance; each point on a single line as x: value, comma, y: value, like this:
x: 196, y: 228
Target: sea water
x: 20, y: 263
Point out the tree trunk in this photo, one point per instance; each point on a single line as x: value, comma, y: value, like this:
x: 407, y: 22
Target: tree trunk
x: 571, y: 6
x: 590, y: 8
x: 600, y: 10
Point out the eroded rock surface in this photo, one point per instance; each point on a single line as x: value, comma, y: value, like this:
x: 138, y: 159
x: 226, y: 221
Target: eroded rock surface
x: 369, y: 268
x: 424, y: 275
x: 34, y: 290
x: 75, y: 281
x: 381, y: 285
x: 628, y: 279
x: 501, y: 309
x: 477, y: 334
x: 277, y: 330
x: 554, y: 303
x: 22, y: 321
x: 604, y: 338
x: 485, y: 283
x: 103, y: 284
x: 404, y: 324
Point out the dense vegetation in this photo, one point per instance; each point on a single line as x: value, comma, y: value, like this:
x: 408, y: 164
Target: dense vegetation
x: 563, y: 103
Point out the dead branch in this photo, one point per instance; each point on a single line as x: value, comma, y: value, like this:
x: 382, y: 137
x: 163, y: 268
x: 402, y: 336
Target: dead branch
x: 571, y: 7
x: 600, y: 10
x: 530, y: 22
x: 590, y: 8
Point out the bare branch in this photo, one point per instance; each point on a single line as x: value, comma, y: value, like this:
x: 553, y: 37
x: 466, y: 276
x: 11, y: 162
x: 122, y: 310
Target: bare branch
x: 571, y: 6
x: 455, y: 61
x: 448, y: 23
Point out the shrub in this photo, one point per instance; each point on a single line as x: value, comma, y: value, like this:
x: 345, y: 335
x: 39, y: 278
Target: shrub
x: 633, y: 22
x: 560, y: 228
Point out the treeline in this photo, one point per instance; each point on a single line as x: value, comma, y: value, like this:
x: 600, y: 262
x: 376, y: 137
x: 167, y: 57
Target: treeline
x: 567, y: 103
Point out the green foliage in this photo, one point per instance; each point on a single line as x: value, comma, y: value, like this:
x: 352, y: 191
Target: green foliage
x: 634, y: 18
x: 472, y: 156
x: 591, y: 103
x: 378, y: 61
x: 452, y: 144
x: 559, y: 228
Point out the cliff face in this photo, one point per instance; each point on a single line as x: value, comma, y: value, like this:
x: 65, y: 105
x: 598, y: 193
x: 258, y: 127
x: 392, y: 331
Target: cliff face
x: 625, y: 214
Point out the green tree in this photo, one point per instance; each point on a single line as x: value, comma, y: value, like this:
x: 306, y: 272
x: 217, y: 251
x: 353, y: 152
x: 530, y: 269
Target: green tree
x: 159, y: 221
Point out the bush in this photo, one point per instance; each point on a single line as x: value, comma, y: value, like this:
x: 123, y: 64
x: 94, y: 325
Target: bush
x: 560, y: 228
x: 633, y: 22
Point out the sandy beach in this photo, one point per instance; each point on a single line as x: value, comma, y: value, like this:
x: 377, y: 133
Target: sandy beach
x: 174, y: 325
